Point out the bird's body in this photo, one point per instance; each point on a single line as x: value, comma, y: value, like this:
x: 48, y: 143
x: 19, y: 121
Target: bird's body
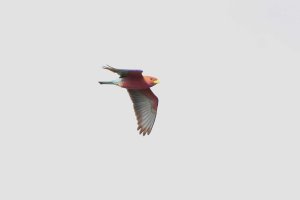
x: 135, y: 83
x: 145, y: 103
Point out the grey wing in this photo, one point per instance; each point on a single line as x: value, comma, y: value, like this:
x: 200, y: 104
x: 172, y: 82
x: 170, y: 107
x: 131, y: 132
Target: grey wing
x: 145, y: 105
x: 125, y: 72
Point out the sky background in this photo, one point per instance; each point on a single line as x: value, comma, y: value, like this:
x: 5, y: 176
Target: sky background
x: 228, y: 118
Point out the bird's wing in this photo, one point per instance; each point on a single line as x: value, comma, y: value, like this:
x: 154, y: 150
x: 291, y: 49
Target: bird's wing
x: 126, y: 72
x: 145, y: 105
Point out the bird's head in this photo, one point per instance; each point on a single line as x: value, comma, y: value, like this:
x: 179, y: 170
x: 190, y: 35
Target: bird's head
x: 150, y: 80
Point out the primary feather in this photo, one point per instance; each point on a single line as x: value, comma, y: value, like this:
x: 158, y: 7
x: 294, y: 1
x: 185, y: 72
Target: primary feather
x: 145, y: 105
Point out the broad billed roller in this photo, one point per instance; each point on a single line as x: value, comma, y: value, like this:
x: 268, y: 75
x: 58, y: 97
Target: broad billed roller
x: 144, y: 101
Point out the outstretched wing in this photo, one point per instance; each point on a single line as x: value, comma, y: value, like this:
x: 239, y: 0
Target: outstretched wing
x: 145, y: 105
x: 125, y: 72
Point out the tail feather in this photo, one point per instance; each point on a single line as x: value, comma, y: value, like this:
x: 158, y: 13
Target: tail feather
x: 106, y: 82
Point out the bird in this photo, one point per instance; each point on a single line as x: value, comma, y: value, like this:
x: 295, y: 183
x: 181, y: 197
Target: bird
x: 145, y: 102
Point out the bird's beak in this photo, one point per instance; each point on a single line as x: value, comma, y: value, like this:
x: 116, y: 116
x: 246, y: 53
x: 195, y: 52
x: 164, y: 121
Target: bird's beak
x: 156, y: 81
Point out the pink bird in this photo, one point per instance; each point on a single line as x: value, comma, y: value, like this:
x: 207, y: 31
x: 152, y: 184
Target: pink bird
x: 144, y: 101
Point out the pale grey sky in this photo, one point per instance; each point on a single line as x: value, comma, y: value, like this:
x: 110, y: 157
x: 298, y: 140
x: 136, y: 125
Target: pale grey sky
x: 228, y: 118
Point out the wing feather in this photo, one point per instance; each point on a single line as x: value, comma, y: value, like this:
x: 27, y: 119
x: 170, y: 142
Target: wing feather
x: 136, y: 73
x: 145, y: 105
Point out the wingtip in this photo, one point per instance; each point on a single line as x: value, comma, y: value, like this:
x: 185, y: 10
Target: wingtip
x: 142, y: 131
x: 106, y: 66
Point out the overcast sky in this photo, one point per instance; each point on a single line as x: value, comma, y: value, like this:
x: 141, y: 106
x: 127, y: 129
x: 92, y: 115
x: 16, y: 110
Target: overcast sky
x: 228, y: 116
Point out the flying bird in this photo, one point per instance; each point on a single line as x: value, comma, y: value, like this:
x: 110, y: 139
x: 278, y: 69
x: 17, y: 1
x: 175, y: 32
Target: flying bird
x: 144, y: 101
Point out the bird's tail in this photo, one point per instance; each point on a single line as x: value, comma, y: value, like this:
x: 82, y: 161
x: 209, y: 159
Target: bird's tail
x: 106, y: 82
